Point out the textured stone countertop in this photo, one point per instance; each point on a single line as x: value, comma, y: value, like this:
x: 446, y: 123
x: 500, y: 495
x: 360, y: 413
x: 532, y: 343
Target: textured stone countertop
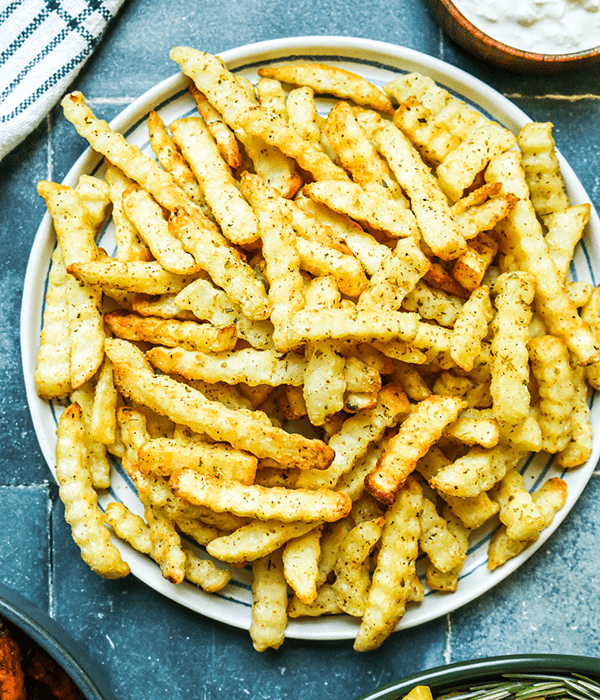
x: 148, y: 646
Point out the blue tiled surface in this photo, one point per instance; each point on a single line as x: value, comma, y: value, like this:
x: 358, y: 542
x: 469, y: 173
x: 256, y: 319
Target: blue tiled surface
x: 149, y: 647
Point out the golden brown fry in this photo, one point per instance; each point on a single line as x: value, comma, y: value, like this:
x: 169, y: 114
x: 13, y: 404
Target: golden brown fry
x: 136, y: 532
x: 358, y: 155
x: 129, y: 158
x: 428, y: 202
x: 549, y: 499
x: 518, y: 512
x: 256, y: 539
x: 279, y: 250
x: 367, y: 207
x: 303, y: 115
x: 542, y: 168
x: 448, y: 580
x: 321, y: 260
x: 370, y: 252
x: 327, y: 79
x: 470, y: 268
x: 273, y: 129
x: 433, y: 141
x: 95, y: 195
x: 148, y: 218
x: 477, y: 471
x: 475, y: 427
x: 166, y: 543
x: 222, y: 262
x: 97, y: 459
x: 352, y: 568
x: 510, y: 359
x: 129, y: 244
x: 396, y: 277
x: 271, y: 96
x: 161, y: 305
x: 132, y: 276
x: 164, y: 455
x: 276, y: 503
x: 395, y: 568
x: 472, y: 511
x: 76, y: 238
x: 470, y: 328
x: 524, y: 239
x: 245, y: 430
x: 128, y: 526
x: 437, y: 541
x: 81, y: 502
x: 474, y: 218
x: 247, y: 366
x: 439, y: 278
x: 346, y: 323
x: 234, y: 214
x: 301, y: 565
x: 103, y: 417
x: 579, y: 449
x: 221, y: 133
x: 324, y: 604
x: 188, y: 335
x: 231, y: 96
x: 212, y: 304
x: 355, y: 436
x: 460, y: 167
x: 565, y: 229
x: 53, y: 369
x: 417, y: 433
x: 269, y: 606
x: 551, y: 366
x: 172, y: 161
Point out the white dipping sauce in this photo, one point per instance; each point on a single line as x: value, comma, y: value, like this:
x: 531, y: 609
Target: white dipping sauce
x: 539, y: 26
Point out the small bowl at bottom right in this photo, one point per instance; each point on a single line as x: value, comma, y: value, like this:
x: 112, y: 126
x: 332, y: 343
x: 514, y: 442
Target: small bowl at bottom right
x: 464, y: 679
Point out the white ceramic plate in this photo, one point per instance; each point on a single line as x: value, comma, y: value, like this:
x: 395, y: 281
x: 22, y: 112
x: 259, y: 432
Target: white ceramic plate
x: 378, y: 62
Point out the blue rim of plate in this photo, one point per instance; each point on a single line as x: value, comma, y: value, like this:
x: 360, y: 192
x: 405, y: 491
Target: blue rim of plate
x: 379, y: 56
x: 49, y: 635
x: 444, y: 679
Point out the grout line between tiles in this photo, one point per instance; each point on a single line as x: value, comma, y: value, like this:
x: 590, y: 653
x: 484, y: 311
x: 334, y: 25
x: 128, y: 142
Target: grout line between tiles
x: 441, y: 43
x: 111, y: 100
x: 51, y: 599
x: 49, y: 150
x: 448, y: 646
x: 563, y: 98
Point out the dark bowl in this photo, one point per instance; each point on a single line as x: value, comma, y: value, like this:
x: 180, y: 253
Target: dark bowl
x: 23, y: 615
x: 467, y: 35
x: 444, y: 679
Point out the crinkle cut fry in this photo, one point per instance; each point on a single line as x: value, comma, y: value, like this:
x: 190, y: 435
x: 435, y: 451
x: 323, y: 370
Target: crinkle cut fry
x: 510, y: 360
x: 429, y: 203
x: 333, y: 80
x: 245, y: 430
x: 262, y: 503
x: 524, y: 239
x: 395, y: 569
x: 417, y: 433
x: 161, y: 185
x: 80, y: 499
x: 230, y: 96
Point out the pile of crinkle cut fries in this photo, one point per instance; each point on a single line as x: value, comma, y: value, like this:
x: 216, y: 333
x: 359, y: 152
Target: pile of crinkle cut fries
x: 392, y: 276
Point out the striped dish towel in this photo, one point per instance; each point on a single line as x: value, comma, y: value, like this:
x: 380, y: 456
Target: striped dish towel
x: 43, y: 44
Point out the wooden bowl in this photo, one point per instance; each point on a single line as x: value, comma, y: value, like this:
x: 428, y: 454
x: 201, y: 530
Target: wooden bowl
x: 459, y: 28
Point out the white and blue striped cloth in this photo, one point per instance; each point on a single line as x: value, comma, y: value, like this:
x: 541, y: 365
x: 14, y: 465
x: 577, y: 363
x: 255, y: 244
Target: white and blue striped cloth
x: 43, y: 45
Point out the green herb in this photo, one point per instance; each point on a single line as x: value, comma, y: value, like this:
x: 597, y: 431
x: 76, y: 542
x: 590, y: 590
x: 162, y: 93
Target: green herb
x: 530, y: 685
